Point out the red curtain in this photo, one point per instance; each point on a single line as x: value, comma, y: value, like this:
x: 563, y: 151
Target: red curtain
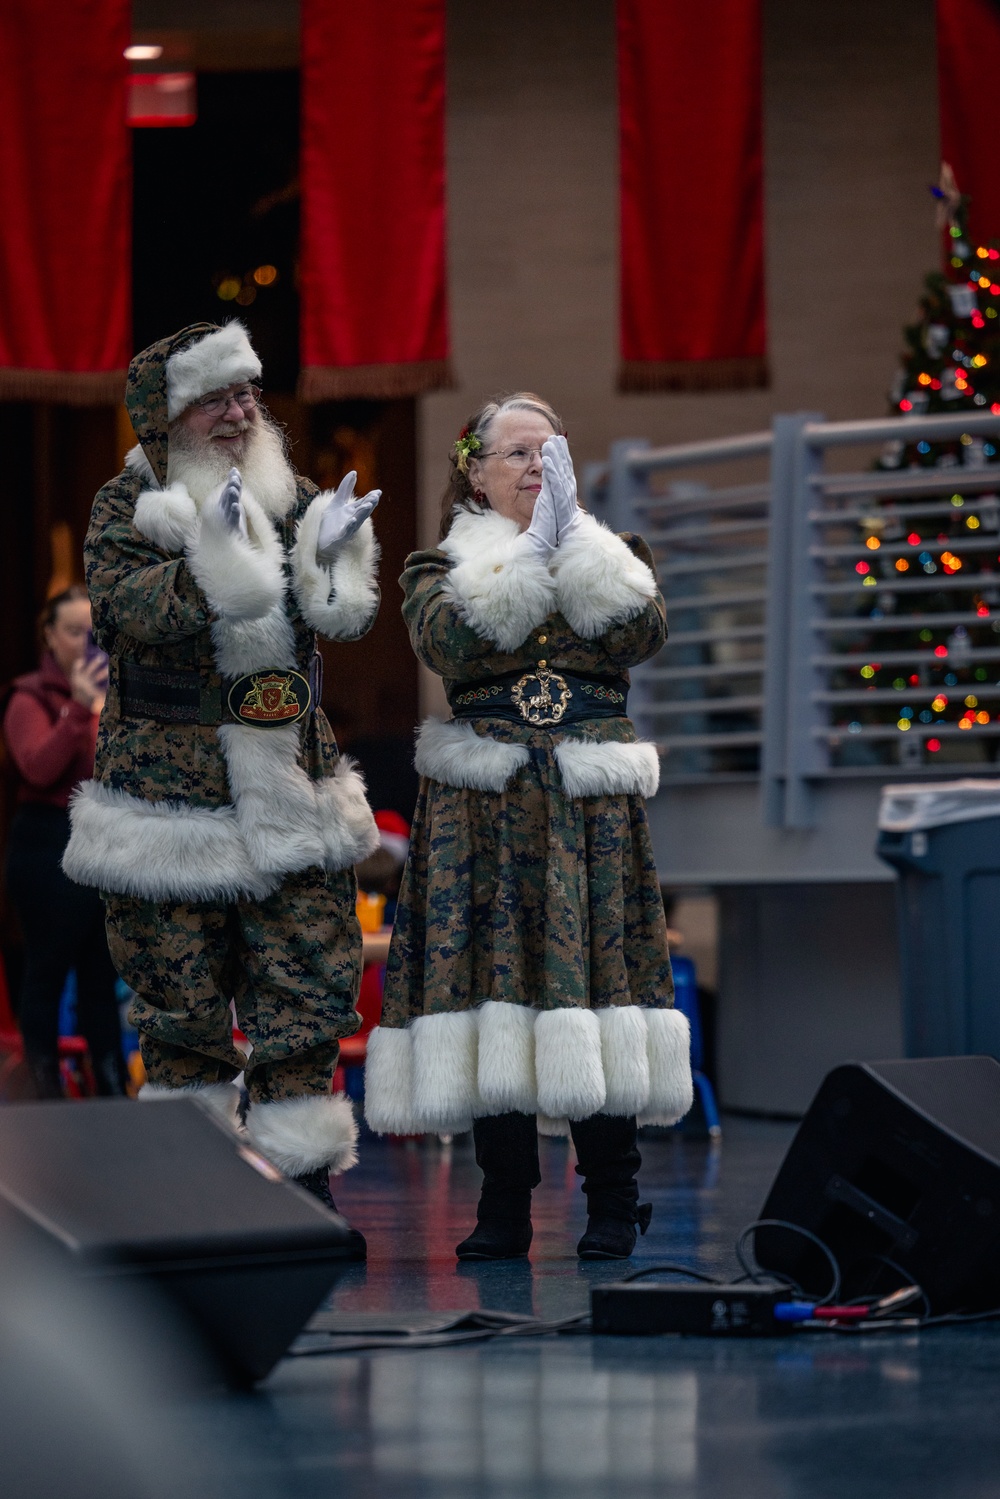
x: 692, y: 241
x: 65, y: 185
x: 373, y: 293
x: 968, y: 69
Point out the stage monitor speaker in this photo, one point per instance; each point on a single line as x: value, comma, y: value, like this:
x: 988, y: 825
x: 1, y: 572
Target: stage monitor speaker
x: 164, y: 1190
x: 896, y: 1164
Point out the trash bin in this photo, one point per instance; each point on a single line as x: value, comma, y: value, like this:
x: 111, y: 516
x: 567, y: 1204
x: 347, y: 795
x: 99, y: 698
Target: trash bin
x: 944, y: 842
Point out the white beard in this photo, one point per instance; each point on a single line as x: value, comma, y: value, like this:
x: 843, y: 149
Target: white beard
x: 265, y: 469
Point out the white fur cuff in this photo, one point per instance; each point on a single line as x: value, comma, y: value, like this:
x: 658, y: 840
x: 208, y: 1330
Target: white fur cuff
x: 588, y: 767
x: 599, y: 580
x: 506, y: 1074
x: 221, y: 1100
x: 340, y: 601
x: 304, y: 1134
x: 166, y: 517
x: 454, y: 754
x: 497, y: 582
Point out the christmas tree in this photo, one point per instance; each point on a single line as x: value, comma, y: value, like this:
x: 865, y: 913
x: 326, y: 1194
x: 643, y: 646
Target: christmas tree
x: 928, y: 557
x: 952, y: 357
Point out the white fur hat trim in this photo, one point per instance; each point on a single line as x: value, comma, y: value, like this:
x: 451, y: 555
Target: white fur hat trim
x: 219, y: 359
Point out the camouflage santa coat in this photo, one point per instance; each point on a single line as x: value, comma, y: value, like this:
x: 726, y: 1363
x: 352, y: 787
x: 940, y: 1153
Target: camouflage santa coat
x: 529, y: 968
x: 210, y: 808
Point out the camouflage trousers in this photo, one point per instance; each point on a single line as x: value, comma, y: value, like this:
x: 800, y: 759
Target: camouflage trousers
x: 291, y: 964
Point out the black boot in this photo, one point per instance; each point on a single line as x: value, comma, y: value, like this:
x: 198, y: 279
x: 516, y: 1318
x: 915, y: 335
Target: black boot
x: 507, y: 1152
x: 318, y: 1183
x: 608, y: 1162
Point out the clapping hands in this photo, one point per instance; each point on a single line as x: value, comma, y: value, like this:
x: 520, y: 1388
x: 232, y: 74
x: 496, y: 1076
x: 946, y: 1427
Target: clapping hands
x: 230, y: 503
x: 343, y: 516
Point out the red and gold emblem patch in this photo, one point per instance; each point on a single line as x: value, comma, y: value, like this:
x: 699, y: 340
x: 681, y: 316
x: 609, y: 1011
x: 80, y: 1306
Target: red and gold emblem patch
x: 269, y: 699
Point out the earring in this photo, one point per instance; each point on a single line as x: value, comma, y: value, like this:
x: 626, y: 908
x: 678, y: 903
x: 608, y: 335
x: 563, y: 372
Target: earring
x: 478, y: 493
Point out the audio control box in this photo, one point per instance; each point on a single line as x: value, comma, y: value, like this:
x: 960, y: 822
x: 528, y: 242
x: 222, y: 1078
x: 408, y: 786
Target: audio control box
x: 641, y: 1308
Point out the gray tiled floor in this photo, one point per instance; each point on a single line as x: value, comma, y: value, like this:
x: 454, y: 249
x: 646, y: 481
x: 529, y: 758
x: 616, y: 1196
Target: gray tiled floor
x: 582, y: 1417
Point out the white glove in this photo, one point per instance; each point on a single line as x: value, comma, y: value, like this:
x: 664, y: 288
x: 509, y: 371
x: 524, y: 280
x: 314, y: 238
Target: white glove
x: 230, y: 505
x: 342, y: 517
x: 560, y: 481
x: 540, y: 537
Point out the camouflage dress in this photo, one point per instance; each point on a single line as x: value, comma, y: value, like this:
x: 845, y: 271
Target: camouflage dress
x: 531, y: 880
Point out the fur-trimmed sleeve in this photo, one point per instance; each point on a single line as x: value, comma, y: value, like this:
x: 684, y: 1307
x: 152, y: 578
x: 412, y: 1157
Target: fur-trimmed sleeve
x: 599, y: 580
x: 497, y: 583
x: 340, y: 600
x: 241, y: 577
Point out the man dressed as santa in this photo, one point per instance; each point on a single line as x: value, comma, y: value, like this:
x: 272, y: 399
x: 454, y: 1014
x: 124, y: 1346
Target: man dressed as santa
x: 222, y: 825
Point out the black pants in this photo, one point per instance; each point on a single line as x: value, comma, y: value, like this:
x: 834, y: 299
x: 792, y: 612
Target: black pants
x: 63, y: 925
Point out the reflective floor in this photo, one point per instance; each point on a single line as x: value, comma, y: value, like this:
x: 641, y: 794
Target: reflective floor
x: 580, y: 1417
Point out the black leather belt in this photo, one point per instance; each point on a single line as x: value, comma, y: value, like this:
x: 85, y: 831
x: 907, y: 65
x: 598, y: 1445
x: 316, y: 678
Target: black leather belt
x: 542, y: 698
x: 271, y: 697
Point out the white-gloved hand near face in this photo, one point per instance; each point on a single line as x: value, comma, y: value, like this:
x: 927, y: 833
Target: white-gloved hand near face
x: 343, y: 516
x: 560, y: 480
x: 541, y: 536
x: 230, y: 504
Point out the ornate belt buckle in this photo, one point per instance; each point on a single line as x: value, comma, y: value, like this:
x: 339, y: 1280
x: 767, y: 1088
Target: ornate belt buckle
x: 541, y: 707
x: 269, y: 699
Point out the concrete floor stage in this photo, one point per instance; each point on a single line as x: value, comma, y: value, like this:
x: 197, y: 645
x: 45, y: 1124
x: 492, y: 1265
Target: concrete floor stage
x: 807, y: 1417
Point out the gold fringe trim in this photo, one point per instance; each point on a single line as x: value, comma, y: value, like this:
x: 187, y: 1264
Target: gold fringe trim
x: 378, y: 382
x: 93, y: 388
x: 748, y: 373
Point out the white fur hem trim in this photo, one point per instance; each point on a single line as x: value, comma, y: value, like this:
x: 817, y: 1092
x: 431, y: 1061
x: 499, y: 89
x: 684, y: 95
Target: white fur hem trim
x: 287, y: 820
x: 389, y: 1082
x: 568, y: 1063
x: 241, y: 579
x: 599, y: 580
x: 303, y: 1134
x: 590, y: 767
x: 221, y: 1099
x: 671, y: 1089
x: 506, y: 1069
x: 159, y: 850
x: 497, y: 583
x: 454, y: 754
x: 445, y: 1094
x: 168, y: 851
x: 216, y: 360
x: 339, y: 600
x: 443, y: 1070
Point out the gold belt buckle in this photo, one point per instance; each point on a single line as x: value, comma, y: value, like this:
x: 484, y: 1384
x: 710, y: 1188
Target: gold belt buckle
x: 540, y: 707
x: 269, y: 699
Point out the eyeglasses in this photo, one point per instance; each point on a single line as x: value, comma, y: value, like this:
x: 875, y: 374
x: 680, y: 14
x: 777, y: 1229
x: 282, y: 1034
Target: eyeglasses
x: 517, y: 458
x: 246, y: 398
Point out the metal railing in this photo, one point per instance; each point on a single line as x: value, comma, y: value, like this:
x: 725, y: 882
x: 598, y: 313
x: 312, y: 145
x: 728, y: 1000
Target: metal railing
x: 825, y: 625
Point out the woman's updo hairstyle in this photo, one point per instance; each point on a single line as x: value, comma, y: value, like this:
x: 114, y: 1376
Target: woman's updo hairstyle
x: 458, y: 493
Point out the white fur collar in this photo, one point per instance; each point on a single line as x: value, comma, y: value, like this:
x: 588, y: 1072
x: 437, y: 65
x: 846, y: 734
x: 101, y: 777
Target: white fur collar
x: 137, y: 463
x: 474, y: 532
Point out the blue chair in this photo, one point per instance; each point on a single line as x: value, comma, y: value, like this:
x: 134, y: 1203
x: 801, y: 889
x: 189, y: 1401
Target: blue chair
x: 686, y: 1000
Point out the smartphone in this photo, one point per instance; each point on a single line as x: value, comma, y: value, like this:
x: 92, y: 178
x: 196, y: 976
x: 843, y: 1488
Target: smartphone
x: 92, y: 652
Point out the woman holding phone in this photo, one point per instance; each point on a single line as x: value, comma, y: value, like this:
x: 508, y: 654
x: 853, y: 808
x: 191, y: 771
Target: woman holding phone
x: 50, y: 728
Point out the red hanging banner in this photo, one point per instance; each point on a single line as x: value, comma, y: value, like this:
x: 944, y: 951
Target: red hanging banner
x: 968, y: 68
x: 692, y: 240
x: 65, y: 187
x: 373, y: 291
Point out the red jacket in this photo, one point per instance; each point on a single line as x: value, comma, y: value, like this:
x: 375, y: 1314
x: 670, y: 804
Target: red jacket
x: 51, y: 737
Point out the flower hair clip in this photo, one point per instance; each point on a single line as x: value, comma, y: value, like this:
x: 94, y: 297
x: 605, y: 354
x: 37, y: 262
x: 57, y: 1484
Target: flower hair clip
x: 466, y: 445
